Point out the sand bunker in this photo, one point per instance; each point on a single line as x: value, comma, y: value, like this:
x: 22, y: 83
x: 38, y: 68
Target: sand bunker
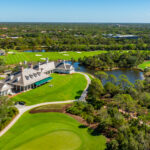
x: 43, y: 58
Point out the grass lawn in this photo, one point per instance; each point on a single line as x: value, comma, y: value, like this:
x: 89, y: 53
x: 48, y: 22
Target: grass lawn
x: 33, y: 56
x: 65, y: 87
x: 50, y: 131
x: 144, y: 65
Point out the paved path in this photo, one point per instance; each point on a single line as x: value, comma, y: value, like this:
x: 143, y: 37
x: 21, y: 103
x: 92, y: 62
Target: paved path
x: 23, y: 109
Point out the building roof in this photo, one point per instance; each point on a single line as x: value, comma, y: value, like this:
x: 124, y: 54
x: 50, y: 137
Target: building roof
x: 34, y: 74
x: 26, y: 77
x: 64, y: 66
x: 121, y: 36
x: 4, y: 87
x: 125, y: 36
x: 46, y: 66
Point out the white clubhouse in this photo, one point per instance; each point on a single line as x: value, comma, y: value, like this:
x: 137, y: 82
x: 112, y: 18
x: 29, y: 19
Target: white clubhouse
x: 33, y: 76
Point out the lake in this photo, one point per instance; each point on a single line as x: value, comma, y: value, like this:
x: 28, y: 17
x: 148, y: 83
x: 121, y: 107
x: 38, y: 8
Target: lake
x: 132, y: 75
x: 43, y: 50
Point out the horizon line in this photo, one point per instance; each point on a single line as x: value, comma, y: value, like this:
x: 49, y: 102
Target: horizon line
x: 74, y: 22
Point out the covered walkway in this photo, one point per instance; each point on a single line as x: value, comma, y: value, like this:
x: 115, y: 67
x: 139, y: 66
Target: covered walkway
x: 43, y: 81
x: 31, y: 86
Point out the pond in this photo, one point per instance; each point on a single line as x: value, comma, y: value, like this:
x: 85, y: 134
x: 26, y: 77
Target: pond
x: 132, y: 75
x: 43, y: 50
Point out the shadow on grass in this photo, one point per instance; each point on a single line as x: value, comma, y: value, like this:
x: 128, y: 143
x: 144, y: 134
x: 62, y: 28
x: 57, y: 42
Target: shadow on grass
x: 82, y: 126
x: 95, y: 132
x: 79, y: 93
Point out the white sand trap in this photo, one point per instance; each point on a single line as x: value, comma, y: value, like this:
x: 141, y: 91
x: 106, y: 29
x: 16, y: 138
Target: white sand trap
x: 43, y: 58
x: 79, y: 52
x: 63, y: 52
x: 38, y: 55
x: 66, y: 54
x: 10, y: 52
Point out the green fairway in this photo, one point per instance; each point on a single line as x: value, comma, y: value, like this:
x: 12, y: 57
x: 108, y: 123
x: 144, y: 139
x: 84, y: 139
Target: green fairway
x: 50, y: 131
x: 18, y: 57
x: 64, y: 87
x: 145, y: 65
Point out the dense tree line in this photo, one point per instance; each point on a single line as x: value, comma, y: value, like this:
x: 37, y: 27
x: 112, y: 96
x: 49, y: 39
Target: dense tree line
x: 113, y: 60
x: 75, y: 37
x: 120, y: 109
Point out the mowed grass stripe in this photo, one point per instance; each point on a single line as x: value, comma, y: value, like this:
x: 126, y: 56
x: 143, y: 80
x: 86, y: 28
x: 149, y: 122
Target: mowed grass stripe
x: 63, y: 138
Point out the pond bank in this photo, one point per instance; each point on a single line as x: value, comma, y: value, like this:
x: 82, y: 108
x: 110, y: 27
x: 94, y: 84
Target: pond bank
x: 133, y: 74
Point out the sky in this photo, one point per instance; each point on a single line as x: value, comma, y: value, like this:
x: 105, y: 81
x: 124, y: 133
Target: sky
x: 121, y: 11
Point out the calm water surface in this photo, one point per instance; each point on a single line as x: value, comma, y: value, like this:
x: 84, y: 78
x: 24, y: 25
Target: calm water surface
x: 132, y: 75
x: 43, y: 50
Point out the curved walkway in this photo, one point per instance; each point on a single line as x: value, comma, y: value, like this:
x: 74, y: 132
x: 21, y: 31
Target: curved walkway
x: 23, y: 109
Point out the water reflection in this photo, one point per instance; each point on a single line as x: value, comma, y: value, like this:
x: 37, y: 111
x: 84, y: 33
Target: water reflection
x: 132, y: 75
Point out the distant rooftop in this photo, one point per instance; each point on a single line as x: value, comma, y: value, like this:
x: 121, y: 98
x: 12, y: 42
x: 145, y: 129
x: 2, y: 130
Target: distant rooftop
x: 130, y: 36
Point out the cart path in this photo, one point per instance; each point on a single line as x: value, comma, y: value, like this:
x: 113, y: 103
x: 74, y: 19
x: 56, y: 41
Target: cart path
x: 23, y: 109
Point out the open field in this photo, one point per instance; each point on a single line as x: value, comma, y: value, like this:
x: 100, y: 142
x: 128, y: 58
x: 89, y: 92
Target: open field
x: 18, y: 57
x: 47, y: 131
x: 146, y: 64
x: 64, y: 87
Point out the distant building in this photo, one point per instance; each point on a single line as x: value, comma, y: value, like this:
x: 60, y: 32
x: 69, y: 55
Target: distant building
x: 43, y: 31
x: 119, y: 36
x: 108, y: 35
x: 3, y: 36
x: 4, y: 28
x: 2, y: 52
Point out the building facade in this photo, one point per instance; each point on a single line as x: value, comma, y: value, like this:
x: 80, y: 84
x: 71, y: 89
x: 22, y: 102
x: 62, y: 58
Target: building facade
x: 64, y: 68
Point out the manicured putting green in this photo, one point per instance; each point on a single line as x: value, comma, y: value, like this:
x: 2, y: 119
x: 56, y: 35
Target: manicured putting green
x: 61, y: 88
x: 50, y: 131
x: 66, y: 140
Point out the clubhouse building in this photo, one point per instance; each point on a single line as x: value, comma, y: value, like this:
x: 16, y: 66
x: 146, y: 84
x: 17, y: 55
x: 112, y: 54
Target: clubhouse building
x: 33, y: 76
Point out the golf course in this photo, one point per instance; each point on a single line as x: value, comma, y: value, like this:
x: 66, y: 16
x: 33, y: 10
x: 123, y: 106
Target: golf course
x: 50, y: 131
x: 60, y: 88
x: 14, y: 57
